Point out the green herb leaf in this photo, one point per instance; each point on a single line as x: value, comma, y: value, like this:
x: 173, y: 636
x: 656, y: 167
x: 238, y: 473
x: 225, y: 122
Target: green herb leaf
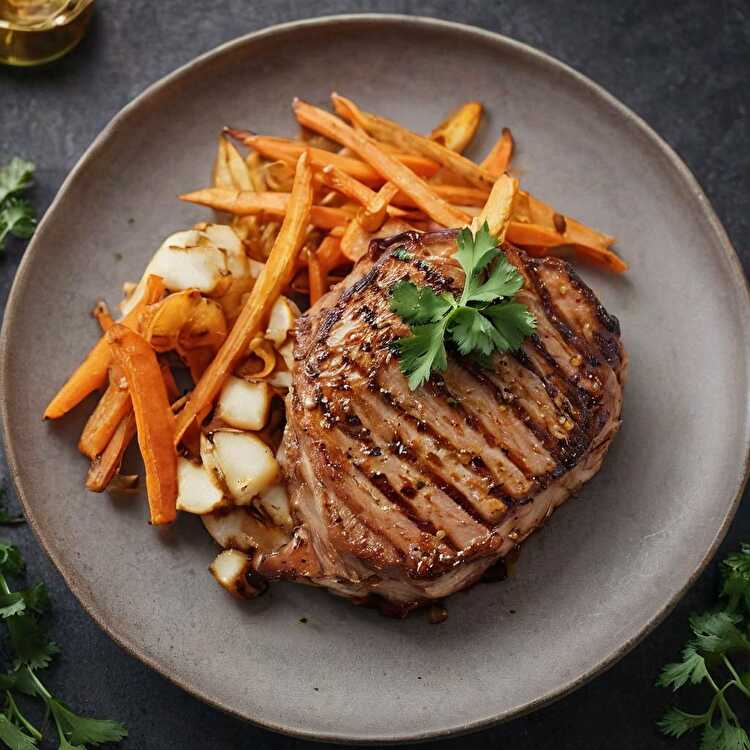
x: 17, y: 218
x: 475, y: 252
x: 716, y: 632
x: 675, y: 723
x: 692, y: 668
x: 82, y: 730
x: 11, y: 561
x: 14, y: 177
x: 422, y: 352
x: 14, y: 737
x: 483, y: 321
x: 724, y: 736
x: 418, y: 305
x: 504, y: 280
x: 736, y: 579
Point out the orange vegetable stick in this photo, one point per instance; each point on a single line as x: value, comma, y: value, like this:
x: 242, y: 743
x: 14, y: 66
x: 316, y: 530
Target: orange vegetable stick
x: 329, y: 253
x: 496, y: 212
x: 498, y: 159
x: 386, y: 130
x: 104, y: 467
x: 457, y: 130
x: 153, y: 418
x: 317, y: 278
x: 457, y: 195
x: 92, y: 372
x: 538, y: 236
x: 372, y: 216
x: 273, y: 278
x: 333, y: 127
x: 243, y: 203
x: 283, y: 149
x: 109, y: 412
x: 103, y: 316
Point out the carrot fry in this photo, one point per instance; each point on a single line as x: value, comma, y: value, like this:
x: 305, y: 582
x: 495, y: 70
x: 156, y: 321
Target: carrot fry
x: 317, y: 278
x: 109, y: 412
x: 531, y: 209
x: 372, y: 216
x: 104, y: 468
x: 456, y: 195
x: 496, y: 212
x: 153, y: 418
x: 275, y: 204
x: 276, y: 274
x: 498, y: 159
x: 329, y: 253
x: 356, y: 241
x: 285, y: 150
x: 344, y: 183
x: 457, y: 130
x: 535, y: 235
x: 335, y: 128
x: 103, y: 315
x: 92, y: 373
x: 386, y: 130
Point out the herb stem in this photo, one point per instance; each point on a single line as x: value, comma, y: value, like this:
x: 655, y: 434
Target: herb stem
x: 30, y: 728
x: 737, y: 679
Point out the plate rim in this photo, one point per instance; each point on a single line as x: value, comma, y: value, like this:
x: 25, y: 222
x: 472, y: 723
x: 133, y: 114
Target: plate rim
x: 741, y: 288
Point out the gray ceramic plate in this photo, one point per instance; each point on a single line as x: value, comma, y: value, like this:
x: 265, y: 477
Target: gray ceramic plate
x: 610, y: 564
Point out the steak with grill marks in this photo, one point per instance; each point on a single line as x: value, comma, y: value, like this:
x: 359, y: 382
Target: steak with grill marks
x: 403, y: 497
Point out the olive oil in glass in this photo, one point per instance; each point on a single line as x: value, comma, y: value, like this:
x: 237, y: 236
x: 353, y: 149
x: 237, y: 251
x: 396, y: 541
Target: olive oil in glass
x: 37, y: 31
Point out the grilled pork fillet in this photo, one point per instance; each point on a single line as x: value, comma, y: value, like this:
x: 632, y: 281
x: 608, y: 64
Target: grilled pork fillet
x: 404, y: 497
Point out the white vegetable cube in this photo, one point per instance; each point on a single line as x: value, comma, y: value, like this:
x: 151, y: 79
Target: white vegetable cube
x: 196, y: 493
x: 281, y: 320
x: 230, y: 569
x: 246, y: 462
x: 244, y: 405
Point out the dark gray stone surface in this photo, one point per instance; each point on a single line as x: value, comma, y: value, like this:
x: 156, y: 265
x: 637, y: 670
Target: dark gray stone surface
x: 683, y: 66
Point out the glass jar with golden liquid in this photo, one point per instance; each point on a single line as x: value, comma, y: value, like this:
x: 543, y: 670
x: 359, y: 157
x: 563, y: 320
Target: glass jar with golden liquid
x: 37, y: 31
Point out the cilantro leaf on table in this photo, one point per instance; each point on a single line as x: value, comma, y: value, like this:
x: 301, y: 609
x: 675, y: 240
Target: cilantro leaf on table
x: 33, y: 650
x: 15, y: 176
x: 482, y: 321
x: 16, y: 214
x: 718, y: 638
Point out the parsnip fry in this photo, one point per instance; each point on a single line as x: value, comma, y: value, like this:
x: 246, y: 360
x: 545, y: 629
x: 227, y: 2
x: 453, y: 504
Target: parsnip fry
x: 285, y: 150
x: 458, y: 129
x: 497, y: 210
x: 243, y: 203
x: 275, y: 275
x: 220, y: 174
x: 153, y: 417
x: 386, y: 130
x: 92, y: 373
x: 498, y: 159
x: 356, y: 240
x: 335, y: 128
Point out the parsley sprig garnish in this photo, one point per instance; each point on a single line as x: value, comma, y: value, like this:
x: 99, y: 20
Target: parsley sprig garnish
x: 718, y: 637
x: 21, y: 611
x: 16, y: 214
x: 483, y: 320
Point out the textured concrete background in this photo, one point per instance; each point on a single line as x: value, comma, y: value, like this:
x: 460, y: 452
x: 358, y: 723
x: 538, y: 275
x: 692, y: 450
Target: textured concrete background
x: 683, y: 66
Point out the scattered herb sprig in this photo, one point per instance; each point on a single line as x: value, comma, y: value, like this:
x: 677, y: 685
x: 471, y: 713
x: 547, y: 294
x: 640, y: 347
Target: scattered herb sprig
x: 16, y: 213
x: 484, y: 319
x: 21, y: 612
x: 709, y: 658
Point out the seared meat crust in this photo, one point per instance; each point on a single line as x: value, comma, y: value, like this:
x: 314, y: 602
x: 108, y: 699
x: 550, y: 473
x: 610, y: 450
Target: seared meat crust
x: 409, y: 496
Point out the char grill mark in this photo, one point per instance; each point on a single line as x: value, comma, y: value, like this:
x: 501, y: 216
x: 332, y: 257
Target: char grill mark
x: 412, y: 495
